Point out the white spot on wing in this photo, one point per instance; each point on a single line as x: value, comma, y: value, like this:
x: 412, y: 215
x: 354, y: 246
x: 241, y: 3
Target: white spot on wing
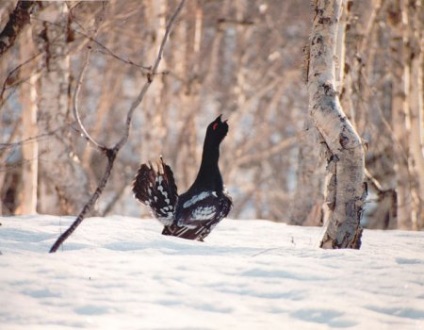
x: 204, y: 213
x: 195, y: 199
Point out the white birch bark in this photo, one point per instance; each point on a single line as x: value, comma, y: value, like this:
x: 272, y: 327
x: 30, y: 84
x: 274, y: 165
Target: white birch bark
x: 416, y: 104
x: 188, y: 150
x: 345, y: 189
x: 62, y: 182
x: 155, y: 127
x: 28, y: 96
x: 400, y: 111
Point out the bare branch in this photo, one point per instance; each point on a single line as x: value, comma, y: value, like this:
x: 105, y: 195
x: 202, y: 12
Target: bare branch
x: 9, y: 81
x: 9, y: 145
x: 260, y: 155
x: 105, y: 50
x: 111, y: 153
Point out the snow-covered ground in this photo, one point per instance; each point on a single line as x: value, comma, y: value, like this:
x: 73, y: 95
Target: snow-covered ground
x: 120, y: 273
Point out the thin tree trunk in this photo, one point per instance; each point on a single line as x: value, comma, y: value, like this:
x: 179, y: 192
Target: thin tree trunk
x: 155, y: 128
x: 366, y: 87
x: 401, y: 116
x: 187, y: 155
x: 28, y: 195
x: 345, y: 189
x: 416, y: 104
x: 62, y: 179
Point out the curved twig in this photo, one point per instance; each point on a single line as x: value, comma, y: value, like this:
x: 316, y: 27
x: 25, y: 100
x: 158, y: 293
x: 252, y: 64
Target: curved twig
x: 86, y: 135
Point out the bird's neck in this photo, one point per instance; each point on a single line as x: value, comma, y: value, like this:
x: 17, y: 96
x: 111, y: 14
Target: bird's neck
x: 209, y: 176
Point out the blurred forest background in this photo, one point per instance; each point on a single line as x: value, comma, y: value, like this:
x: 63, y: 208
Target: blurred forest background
x: 244, y: 59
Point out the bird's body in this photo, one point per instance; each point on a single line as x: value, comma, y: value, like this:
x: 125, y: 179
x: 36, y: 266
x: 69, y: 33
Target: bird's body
x: 193, y: 214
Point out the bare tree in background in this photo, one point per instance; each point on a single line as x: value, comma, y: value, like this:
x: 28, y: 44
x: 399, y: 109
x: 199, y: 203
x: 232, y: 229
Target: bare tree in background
x: 28, y: 196
x: 58, y: 160
x: 400, y: 114
x: 19, y: 18
x: 416, y: 102
x: 407, y: 94
x: 385, y: 92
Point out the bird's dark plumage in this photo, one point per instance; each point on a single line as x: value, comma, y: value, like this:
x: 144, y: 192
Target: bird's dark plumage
x: 194, y: 214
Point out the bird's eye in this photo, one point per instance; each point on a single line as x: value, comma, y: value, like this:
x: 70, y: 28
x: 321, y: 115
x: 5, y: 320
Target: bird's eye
x: 215, y: 126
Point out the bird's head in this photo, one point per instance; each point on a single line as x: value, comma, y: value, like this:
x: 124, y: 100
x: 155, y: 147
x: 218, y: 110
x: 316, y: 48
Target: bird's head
x: 217, y: 130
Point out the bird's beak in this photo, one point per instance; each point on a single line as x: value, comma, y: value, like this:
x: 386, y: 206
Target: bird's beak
x: 221, y: 120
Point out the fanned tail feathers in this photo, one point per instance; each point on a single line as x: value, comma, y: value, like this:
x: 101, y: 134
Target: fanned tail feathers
x: 154, y: 186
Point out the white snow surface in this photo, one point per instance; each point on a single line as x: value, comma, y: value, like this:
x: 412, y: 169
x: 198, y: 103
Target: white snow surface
x: 121, y: 273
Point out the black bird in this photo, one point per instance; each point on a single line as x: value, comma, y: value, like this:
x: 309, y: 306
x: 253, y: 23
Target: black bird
x: 194, y: 214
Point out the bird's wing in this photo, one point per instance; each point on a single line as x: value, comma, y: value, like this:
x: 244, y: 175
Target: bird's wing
x: 154, y: 186
x: 199, y: 216
x: 203, y: 208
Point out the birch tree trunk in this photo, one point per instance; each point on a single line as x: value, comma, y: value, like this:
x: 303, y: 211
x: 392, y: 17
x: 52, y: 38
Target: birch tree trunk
x: 155, y: 117
x: 416, y: 104
x: 400, y: 110
x: 62, y: 181
x: 185, y: 65
x: 28, y: 95
x: 345, y: 187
